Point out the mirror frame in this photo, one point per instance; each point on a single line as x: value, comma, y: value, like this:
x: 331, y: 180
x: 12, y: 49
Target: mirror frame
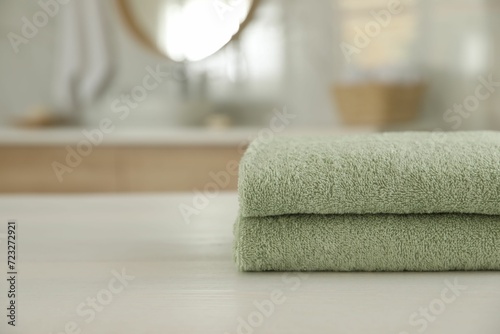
x: 145, y: 40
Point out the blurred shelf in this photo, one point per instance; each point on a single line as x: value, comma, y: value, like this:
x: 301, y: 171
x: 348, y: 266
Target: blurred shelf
x: 155, y: 136
x: 138, y: 160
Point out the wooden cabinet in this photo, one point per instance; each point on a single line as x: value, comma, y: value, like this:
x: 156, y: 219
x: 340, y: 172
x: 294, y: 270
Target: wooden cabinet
x: 34, y: 169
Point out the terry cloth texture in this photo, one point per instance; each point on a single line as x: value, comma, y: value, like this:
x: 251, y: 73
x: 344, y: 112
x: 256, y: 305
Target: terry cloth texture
x: 414, y: 172
x: 434, y: 242
x: 383, y: 202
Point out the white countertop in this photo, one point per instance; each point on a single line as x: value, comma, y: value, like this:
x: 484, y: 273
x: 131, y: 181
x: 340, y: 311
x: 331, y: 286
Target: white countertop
x: 153, y: 136
x: 184, y: 280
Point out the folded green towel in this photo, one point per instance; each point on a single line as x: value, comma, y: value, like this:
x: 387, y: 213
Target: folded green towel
x: 413, y: 172
x: 382, y: 202
x: 434, y: 242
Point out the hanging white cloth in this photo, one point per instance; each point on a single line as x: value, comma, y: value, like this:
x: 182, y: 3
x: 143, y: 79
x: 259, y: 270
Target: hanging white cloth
x: 84, y: 63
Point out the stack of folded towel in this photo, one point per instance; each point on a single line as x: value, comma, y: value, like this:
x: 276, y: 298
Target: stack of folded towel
x: 412, y: 201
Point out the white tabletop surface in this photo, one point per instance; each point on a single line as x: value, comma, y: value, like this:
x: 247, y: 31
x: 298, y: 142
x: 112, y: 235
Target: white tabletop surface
x: 184, y: 280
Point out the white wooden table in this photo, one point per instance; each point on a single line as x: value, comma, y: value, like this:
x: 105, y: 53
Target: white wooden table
x: 70, y: 248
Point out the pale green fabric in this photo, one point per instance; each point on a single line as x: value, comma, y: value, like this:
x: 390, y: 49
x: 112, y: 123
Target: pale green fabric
x: 432, y: 242
x: 382, y: 202
x: 413, y: 172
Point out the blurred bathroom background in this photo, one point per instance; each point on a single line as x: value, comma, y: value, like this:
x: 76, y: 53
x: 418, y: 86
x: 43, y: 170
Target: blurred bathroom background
x: 159, y: 95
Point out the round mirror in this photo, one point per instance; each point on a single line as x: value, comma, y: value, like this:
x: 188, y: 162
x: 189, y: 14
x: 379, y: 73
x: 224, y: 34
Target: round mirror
x: 187, y: 30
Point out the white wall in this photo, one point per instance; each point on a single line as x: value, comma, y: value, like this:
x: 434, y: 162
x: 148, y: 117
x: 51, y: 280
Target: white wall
x: 307, y: 33
x: 26, y: 77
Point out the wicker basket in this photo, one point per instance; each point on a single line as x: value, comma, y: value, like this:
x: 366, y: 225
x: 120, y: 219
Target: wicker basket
x: 378, y: 104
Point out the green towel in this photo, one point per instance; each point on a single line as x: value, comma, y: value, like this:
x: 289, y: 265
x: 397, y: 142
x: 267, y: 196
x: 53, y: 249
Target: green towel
x: 433, y: 242
x: 414, y: 172
x: 382, y: 202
